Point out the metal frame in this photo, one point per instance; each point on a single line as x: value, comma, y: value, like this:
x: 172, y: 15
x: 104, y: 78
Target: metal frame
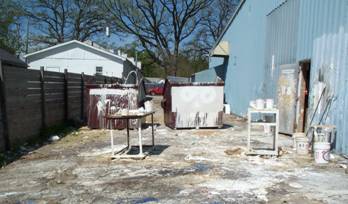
x: 275, y: 124
x: 122, y: 154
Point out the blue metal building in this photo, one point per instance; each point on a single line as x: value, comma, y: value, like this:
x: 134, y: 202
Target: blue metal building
x: 265, y: 39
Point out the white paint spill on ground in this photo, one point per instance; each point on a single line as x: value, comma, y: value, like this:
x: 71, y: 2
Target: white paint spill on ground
x: 102, y: 151
x: 188, y: 166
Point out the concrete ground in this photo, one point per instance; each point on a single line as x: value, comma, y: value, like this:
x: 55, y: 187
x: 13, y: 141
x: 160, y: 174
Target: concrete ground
x: 188, y: 166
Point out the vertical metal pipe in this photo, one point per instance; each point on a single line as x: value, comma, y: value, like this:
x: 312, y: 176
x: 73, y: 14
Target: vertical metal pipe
x: 127, y: 125
x: 139, y: 137
x: 153, y: 135
x: 112, y: 142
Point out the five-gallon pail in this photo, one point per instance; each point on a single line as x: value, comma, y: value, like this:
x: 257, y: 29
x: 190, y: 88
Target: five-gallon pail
x: 260, y: 104
x: 322, y: 152
x: 297, y: 135
x: 302, y: 145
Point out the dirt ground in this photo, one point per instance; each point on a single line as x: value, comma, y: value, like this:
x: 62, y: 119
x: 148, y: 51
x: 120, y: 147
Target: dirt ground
x: 187, y: 166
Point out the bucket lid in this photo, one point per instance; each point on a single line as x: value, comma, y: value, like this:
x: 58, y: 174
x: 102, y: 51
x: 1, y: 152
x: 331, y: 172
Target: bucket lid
x: 322, y: 144
x: 299, y: 134
x: 303, y: 139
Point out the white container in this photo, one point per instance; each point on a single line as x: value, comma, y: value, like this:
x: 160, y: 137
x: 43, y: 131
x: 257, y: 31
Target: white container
x: 227, y: 108
x: 269, y: 103
x: 297, y: 135
x: 260, y: 104
x: 148, y: 106
x: 322, y: 152
x: 302, y: 145
x: 252, y: 104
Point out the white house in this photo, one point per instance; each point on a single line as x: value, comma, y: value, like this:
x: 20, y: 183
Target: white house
x: 77, y: 57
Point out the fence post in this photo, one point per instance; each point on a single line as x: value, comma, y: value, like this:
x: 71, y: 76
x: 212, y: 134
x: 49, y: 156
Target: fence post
x: 43, y: 98
x: 3, y: 109
x: 82, y: 96
x: 66, y: 101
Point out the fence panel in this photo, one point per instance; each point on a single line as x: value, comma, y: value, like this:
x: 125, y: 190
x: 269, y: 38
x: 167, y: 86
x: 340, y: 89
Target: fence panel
x: 36, y: 99
x: 23, y: 104
x: 2, y: 141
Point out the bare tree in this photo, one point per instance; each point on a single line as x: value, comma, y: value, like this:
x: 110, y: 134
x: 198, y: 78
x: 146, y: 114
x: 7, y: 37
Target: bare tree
x: 10, y: 14
x: 88, y: 19
x: 161, y: 26
x: 57, y: 21
x: 215, y: 19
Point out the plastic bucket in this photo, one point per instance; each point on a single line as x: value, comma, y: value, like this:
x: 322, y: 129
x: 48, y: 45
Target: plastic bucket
x: 302, y: 145
x: 322, y: 152
x: 260, y: 104
x: 269, y: 103
x: 148, y: 106
x: 297, y: 135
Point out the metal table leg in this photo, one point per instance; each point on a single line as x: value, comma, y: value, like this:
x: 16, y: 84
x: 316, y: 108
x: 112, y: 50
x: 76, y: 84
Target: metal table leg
x: 128, y: 143
x: 112, y: 142
x: 140, y: 138
x: 153, y: 135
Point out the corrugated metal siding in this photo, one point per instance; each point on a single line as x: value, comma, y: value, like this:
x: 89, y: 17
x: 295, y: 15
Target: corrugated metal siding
x: 281, y: 42
x: 246, y: 36
x: 322, y: 37
x: 294, y: 30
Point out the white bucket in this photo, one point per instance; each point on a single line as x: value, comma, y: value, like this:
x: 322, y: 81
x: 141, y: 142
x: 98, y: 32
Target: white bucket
x: 227, y: 108
x: 322, y: 152
x: 297, y: 135
x: 252, y: 104
x: 260, y: 104
x: 148, y: 106
x: 269, y: 103
x: 302, y: 145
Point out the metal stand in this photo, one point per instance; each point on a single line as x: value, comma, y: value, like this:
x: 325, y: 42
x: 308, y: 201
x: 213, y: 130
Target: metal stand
x: 122, y: 154
x: 275, y: 124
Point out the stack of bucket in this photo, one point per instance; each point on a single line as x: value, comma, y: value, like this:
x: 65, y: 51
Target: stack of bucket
x: 321, y: 147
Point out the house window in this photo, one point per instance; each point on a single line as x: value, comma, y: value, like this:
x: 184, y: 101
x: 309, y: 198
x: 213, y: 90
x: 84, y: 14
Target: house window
x: 98, y: 70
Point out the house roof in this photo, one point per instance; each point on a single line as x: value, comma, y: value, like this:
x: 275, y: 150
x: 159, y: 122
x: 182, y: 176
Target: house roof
x: 11, y: 59
x: 178, y: 79
x: 227, y: 26
x: 77, y: 42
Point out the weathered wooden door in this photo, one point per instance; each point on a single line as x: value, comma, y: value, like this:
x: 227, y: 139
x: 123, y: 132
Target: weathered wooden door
x: 287, y: 95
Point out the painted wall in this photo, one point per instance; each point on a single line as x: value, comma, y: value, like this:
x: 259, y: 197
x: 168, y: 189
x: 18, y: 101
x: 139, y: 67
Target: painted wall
x: 76, y: 58
x: 323, y: 38
x: 266, y: 34
x: 245, y: 67
x: 320, y: 34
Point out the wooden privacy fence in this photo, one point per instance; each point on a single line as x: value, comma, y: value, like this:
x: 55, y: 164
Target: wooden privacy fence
x: 35, y: 99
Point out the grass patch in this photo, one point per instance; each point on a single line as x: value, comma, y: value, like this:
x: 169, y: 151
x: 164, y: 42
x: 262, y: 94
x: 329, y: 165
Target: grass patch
x: 61, y: 130
x: 17, y: 151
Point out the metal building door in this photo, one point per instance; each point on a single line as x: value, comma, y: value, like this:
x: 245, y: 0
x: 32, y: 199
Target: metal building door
x: 287, y: 95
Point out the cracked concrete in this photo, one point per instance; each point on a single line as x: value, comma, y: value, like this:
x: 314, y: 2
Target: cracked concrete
x: 188, y: 166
